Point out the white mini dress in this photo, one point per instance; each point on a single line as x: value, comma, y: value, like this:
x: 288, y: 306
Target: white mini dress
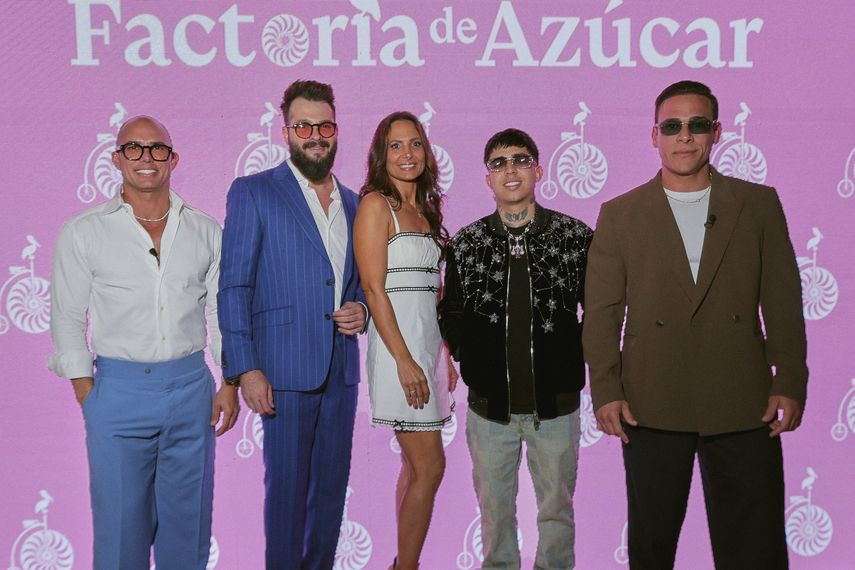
x: 412, y: 284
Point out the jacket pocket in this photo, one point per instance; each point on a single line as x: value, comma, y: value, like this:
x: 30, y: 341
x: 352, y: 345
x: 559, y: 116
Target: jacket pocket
x: 272, y: 317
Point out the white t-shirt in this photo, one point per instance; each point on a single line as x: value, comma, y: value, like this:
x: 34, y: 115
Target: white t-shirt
x: 690, y: 210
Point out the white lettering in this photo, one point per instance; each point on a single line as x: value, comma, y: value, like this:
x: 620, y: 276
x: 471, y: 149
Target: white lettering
x: 446, y: 36
x: 442, y: 30
x: 409, y: 42
x: 182, y: 47
x: 623, y: 51
x: 506, y: 18
x: 154, y: 41
x: 465, y: 26
x: 660, y: 42
x: 712, y: 44
x: 363, y: 41
x: 326, y: 27
x: 741, y: 29
x: 556, y: 48
x: 85, y: 32
x: 645, y: 43
x: 231, y: 20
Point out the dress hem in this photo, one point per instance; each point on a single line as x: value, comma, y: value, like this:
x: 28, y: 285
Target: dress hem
x: 403, y: 425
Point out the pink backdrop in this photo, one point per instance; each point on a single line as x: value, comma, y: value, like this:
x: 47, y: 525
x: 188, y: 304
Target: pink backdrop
x: 579, y: 76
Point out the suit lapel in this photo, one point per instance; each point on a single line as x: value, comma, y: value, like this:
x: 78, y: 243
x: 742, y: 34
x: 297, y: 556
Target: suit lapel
x: 291, y: 194
x: 665, y: 236
x: 725, y: 206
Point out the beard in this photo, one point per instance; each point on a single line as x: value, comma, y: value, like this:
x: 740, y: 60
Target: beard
x: 314, y: 170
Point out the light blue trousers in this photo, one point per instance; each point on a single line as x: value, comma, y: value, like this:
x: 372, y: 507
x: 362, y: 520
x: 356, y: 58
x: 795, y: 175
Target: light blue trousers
x: 552, y: 453
x: 151, y: 463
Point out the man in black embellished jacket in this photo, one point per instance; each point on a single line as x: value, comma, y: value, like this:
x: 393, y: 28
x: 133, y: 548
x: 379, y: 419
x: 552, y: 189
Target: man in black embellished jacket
x: 513, y: 288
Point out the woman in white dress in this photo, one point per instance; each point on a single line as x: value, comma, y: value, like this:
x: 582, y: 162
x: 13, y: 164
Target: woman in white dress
x: 398, y: 239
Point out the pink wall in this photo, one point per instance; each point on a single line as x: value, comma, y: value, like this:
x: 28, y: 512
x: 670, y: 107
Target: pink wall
x: 566, y: 72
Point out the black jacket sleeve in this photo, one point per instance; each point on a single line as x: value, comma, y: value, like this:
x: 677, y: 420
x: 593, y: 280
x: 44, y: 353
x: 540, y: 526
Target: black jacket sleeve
x: 450, y: 308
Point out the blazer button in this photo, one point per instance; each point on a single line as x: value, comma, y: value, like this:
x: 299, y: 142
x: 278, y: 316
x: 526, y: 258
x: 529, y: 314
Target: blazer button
x: 329, y: 282
x: 660, y: 323
x: 327, y: 316
x: 735, y: 318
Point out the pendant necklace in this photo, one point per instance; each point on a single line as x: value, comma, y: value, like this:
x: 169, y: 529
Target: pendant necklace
x: 516, y: 242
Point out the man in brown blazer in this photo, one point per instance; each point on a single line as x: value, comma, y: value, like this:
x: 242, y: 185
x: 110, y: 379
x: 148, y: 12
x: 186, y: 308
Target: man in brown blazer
x: 695, y: 339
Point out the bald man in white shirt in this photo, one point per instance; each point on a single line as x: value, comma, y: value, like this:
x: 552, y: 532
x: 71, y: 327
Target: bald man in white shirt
x: 141, y: 270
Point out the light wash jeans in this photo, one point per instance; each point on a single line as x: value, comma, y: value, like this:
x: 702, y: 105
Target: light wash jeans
x: 552, y: 453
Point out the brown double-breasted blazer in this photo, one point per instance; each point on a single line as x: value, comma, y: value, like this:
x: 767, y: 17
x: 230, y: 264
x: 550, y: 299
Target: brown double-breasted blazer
x: 701, y: 357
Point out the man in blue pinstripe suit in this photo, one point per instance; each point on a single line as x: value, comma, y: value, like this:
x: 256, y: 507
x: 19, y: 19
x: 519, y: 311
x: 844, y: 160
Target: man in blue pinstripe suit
x: 290, y: 305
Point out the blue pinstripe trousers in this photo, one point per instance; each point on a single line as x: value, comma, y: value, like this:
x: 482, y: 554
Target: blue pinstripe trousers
x: 151, y: 463
x: 307, y: 449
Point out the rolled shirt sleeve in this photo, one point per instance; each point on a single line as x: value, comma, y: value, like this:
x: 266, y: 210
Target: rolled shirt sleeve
x: 71, y: 282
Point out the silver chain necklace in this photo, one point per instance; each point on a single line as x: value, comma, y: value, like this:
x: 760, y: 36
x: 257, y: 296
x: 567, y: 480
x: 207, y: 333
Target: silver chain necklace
x: 160, y: 219
x: 516, y: 242
x: 704, y: 195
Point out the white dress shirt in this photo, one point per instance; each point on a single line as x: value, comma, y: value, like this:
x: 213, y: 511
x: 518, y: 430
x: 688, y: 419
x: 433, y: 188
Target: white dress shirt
x: 136, y: 309
x: 332, y: 227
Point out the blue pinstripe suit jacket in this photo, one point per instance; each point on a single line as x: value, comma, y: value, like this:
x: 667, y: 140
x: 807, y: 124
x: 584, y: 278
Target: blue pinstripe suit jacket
x: 277, y: 290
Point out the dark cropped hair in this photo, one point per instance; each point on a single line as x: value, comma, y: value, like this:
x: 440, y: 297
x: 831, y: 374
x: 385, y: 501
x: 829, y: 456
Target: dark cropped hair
x: 686, y: 87
x: 511, y: 137
x: 428, y: 195
x: 307, y: 89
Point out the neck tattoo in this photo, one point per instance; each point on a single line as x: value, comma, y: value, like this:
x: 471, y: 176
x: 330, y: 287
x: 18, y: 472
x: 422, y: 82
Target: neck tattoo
x: 515, y: 217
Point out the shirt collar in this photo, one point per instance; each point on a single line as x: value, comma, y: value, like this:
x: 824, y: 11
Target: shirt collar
x: 117, y: 202
x: 306, y: 185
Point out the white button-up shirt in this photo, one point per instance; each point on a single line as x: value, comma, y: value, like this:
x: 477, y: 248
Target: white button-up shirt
x: 136, y: 309
x: 332, y: 227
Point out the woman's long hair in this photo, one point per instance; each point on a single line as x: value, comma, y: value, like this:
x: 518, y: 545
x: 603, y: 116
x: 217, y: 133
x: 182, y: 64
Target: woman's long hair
x: 428, y: 197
